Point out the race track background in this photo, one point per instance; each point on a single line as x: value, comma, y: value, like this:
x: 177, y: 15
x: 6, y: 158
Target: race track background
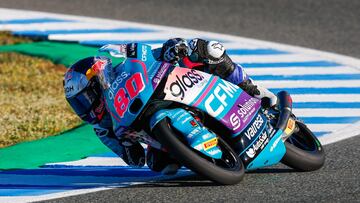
x: 267, y: 57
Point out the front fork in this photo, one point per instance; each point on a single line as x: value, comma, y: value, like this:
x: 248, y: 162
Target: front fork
x: 197, y: 136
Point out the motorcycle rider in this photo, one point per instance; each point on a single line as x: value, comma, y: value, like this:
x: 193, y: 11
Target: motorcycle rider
x: 84, y: 94
x: 211, y: 57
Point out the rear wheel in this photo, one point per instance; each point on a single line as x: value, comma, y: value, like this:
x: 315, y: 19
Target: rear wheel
x: 303, y: 150
x: 227, y: 170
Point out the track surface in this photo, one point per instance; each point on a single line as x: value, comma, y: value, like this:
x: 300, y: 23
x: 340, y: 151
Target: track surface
x: 330, y: 25
x: 326, y: 25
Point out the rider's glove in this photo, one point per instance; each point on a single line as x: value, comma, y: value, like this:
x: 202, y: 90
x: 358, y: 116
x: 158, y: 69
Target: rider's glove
x: 175, y: 49
x: 134, y: 154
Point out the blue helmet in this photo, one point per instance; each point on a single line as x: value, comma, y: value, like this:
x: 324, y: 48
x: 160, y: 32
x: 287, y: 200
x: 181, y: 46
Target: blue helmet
x: 84, y: 93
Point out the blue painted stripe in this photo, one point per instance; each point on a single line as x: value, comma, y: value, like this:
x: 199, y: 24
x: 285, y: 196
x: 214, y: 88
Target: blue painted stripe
x: 81, y: 31
x: 103, y: 42
x: 107, y: 154
x: 309, y: 90
x: 34, y: 20
x: 307, y: 77
x: 6, y: 191
x: 319, y: 134
x: 331, y: 105
x: 254, y: 52
x: 332, y: 120
x: 291, y: 64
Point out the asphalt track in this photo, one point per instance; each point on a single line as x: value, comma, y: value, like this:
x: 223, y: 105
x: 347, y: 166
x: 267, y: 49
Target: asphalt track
x: 323, y: 24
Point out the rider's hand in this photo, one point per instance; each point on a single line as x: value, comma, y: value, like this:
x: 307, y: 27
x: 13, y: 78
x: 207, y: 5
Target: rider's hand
x: 174, y: 53
x: 171, y: 55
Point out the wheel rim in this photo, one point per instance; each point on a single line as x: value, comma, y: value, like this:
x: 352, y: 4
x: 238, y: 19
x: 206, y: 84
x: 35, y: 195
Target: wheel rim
x: 228, y: 159
x: 303, y: 140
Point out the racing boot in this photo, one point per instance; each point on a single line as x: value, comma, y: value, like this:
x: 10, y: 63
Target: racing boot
x: 268, y: 99
x: 160, y: 161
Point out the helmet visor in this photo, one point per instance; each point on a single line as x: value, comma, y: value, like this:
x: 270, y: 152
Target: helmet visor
x: 84, y: 101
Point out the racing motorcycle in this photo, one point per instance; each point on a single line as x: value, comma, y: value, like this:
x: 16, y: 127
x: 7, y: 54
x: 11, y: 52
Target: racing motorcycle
x: 209, y: 125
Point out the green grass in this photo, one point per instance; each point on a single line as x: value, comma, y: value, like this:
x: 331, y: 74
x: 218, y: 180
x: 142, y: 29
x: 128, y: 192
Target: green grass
x: 6, y: 38
x: 32, y: 103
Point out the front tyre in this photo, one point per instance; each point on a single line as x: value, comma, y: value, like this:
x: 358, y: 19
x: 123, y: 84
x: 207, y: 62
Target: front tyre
x: 303, y: 150
x: 229, y: 170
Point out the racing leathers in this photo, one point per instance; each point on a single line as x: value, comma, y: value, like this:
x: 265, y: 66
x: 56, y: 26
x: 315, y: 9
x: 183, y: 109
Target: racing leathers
x: 211, y: 57
x: 130, y: 151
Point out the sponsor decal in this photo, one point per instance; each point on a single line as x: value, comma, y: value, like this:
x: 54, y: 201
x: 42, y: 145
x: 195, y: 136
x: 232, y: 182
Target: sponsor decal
x: 194, y: 132
x: 185, y: 82
x: 290, y: 126
x: 69, y: 89
x: 210, y: 144
x: 207, y: 136
x: 98, y: 66
x: 275, y: 144
x: 255, y: 126
x: 69, y: 74
x: 115, y: 84
x: 186, y: 120
x: 217, y: 45
x: 160, y: 73
x: 258, y: 145
x: 180, y: 116
x: 123, y: 96
x: 122, y: 48
x: 193, y: 123
x: 243, y: 113
x: 213, y: 151
x: 131, y: 50
x: 219, y: 98
x: 143, y: 53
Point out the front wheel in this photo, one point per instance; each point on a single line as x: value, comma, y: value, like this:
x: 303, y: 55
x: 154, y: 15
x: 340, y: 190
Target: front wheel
x: 227, y: 170
x: 303, y: 150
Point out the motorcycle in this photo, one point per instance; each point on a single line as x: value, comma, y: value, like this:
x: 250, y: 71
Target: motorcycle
x: 209, y: 125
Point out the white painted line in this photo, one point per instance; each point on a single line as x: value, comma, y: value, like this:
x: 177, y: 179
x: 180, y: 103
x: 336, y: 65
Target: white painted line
x: 309, y: 83
x: 93, y: 161
x: 341, y: 134
x: 326, y: 97
x: 9, y: 14
x: 341, y: 112
x: 118, y: 36
x: 55, y: 26
x: 325, y: 127
x: 302, y: 71
x: 16, y: 199
x: 20, y: 199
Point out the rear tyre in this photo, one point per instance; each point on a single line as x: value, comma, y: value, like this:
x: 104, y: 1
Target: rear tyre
x: 228, y: 170
x: 303, y: 150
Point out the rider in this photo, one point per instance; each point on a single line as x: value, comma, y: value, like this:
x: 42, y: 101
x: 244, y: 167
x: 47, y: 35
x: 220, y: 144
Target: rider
x: 211, y: 57
x: 84, y: 95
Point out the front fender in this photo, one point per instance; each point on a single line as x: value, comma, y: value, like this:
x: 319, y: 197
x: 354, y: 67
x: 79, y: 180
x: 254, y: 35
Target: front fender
x: 198, y: 137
